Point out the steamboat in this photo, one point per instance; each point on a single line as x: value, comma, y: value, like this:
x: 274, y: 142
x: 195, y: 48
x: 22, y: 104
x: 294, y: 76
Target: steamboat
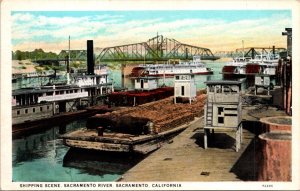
x: 194, y: 67
x: 79, y: 91
x: 236, y: 68
x: 263, y: 64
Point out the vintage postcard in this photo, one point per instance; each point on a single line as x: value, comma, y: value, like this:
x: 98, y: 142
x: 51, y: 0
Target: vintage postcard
x: 149, y: 95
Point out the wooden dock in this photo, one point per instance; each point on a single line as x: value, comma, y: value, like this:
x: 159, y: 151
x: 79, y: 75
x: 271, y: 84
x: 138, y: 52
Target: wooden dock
x: 185, y: 159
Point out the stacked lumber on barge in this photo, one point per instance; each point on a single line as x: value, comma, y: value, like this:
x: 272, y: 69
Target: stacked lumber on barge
x: 139, y: 129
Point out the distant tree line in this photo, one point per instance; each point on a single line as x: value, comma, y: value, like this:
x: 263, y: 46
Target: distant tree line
x: 33, y: 55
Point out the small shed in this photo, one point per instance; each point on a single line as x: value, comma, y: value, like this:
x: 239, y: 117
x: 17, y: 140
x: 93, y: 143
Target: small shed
x: 145, y: 83
x: 184, y: 86
x: 262, y: 80
x: 223, y: 108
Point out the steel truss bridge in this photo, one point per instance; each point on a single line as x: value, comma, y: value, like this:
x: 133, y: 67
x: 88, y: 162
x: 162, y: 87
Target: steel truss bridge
x: 75, y: 55
x: 250, y: 51
x: 155, y: 49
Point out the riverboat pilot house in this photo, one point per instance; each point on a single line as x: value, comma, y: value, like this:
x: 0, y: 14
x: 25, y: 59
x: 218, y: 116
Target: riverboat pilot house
x: 223, y: 108
x: 146, y: 83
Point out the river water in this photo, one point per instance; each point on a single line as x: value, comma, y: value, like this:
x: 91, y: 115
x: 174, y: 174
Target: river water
x: 40, y: 157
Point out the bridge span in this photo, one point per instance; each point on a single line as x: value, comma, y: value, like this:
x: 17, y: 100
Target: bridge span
x: 157, y: 48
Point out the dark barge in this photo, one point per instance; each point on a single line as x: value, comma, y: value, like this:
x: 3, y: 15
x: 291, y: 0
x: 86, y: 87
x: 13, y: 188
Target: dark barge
x: 140, y: 129
x: 119, y: 142
x: 137, y: 97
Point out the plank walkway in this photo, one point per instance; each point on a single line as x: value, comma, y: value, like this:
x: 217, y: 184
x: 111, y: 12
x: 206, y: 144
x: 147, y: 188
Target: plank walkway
x: 185, y: 159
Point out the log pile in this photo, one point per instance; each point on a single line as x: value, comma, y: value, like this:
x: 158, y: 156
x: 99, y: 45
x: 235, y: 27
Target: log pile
x: 164, y: 114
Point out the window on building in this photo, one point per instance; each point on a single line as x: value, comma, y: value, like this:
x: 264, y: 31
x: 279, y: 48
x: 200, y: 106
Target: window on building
x: 182, y: 90
x: 47, y: 107
x: 220, y: 110
x: 18, y: 112
x: 33, y: 110
x: 221, y: 120
x: 218, y: 89
x: 41, y: 108
x: 26, y: 110
x: 226, y: 89
x: 234, y: 89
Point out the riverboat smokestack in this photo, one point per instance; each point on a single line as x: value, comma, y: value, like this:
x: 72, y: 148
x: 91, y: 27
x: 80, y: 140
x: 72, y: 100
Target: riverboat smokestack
x: 90, y: 57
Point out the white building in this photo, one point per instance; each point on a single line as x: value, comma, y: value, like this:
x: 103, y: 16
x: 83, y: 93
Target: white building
x: 184, y: 86
x: 263, y: 81
x: 223, y: 108
x: 146, y: 83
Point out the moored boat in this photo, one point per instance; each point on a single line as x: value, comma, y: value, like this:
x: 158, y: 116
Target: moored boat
x: 236, y: 68
x: 194, y: 67
x: 263, y: 64
x: 29, y: 104
x: 55, y: 98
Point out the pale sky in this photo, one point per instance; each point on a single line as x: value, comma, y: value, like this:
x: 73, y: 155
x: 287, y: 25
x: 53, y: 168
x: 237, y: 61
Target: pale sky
x: 217, y: 30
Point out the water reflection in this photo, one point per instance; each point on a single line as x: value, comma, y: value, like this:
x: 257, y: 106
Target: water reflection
x: 34, y: 154
x: 38, y: 145
x: 62, y: 129
x: 101, y: 163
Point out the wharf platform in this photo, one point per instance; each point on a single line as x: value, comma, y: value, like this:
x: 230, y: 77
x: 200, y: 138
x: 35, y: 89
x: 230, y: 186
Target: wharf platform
x: 185, y: 159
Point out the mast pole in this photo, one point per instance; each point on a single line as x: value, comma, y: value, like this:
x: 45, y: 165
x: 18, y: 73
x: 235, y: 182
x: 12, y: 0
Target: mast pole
x: 69, y: 59
x: 243, y: 49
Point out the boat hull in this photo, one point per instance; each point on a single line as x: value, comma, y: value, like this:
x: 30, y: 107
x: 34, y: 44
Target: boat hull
x: 230, y: 72
x: 254, y: 69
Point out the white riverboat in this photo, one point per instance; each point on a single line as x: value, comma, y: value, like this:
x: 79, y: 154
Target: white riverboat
x: 237, y: 67
x: 30, y: 104
x: 263, y: 64
x: 194, y: 67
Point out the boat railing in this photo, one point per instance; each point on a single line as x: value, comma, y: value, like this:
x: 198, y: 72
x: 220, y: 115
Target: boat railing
x: 52, y: 98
